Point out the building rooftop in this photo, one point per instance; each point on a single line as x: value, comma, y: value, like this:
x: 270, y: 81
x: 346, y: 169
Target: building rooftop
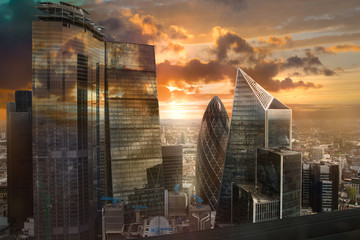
x: 256, y: 194
x: 281, y: 151
x: 67, y: 13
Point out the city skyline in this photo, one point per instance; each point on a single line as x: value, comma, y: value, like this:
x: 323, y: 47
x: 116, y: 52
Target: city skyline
x: 305, y: 55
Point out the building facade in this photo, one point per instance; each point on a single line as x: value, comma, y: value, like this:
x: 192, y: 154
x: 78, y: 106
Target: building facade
x: 19, y: 159
x: 211, y: 148
x: 172, y: 166
x: 95, y: 124
x: 249, y: 205
x: 279, y: 176
x: 258, y: 120
x: 133, y: 125
x: 323, y: 187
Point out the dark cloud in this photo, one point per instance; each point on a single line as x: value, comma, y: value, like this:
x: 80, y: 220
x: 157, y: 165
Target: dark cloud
x: 194, y: 72
x: 322, y: 50
x: 265, y: 74
x: 112, y: 24
x: 232, y: 41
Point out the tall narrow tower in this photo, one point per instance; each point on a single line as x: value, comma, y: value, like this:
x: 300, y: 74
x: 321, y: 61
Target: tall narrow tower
x: 258, y: 120
x: 19, y: 159
x: 68, y: 72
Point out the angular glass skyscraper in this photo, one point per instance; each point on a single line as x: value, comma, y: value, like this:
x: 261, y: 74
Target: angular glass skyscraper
x: 211, y: 151
x: 258, y: 120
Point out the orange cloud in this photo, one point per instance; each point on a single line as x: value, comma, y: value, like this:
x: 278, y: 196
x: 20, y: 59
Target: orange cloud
x: 179, y: 32
x: 283, y: 41
x: 350, y: 47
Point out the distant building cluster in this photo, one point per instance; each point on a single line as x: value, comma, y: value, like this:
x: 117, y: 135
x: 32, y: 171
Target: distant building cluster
x: 87, y: 157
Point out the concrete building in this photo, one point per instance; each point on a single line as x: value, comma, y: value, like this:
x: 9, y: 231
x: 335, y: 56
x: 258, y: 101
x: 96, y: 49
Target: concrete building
x: 19, y: 159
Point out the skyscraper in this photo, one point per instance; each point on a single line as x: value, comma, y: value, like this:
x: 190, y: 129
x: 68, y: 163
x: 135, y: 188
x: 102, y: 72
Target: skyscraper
x: 211, y: 146
x: 133, y: 126
x: 68, y: 74
x: 323, y: 187
x: 279, y: 175
x: 172, y: 165
x: 95, y: 124
x: 19, y: 159
x: 258, y: 120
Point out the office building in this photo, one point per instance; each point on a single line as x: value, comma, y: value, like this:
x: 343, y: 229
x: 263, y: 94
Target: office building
x: 249, y: 205
x: 305, y: 190
x: 318, y: 153
x: 258, y: 120
x: 211, y: 148
x: 279, y: 175
x: 172, y: 166
x: 95, y: 124
x: 19, y: 160
x: 133, y: 125
x: 68, y: 75
x: 323, y: 187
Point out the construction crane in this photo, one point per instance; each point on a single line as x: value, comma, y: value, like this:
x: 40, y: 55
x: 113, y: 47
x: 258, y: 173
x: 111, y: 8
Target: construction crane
x: 47, y: 204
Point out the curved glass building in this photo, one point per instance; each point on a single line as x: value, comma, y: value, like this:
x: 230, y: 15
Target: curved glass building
x: 211, y: 148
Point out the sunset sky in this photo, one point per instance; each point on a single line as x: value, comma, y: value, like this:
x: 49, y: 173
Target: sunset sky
x: 306, y: 53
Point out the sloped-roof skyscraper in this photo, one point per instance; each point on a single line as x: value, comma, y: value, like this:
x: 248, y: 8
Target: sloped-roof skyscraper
x: 211, y: 151
x: 258, y: 120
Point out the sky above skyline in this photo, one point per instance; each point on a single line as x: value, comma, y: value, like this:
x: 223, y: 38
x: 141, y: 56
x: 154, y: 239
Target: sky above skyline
x: 305, y: 53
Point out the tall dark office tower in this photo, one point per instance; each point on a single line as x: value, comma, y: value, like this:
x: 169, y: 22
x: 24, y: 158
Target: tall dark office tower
x: 68, y: 74
x: 19, y: 159
x: 172, y: 166
x: 305, y: 190
x: 211, y: 146
x: 324, y: 187
x: 133, y: 126
x: 258, y: 120
x: 279, y: 175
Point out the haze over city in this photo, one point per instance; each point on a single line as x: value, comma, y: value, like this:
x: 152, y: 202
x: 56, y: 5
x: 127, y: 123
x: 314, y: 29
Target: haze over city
x: 303, y: 52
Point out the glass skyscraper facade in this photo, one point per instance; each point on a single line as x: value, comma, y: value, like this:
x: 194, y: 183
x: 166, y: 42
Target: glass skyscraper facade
x: 211, y: 148
x: 68, y: 72
x: 172, y: 166
x: 279, y: 176
x: 133, y: 126
x: 258, y: 120
x: 96, y: 126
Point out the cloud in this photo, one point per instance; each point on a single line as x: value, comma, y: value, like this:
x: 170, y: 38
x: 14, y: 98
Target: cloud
x: 194, y: 72
x: 265, y: 73
x: 226, y: 40
x: 310, y: 63
x: 350, y: 47
x: 179, y: 32
x: 278, y: 42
